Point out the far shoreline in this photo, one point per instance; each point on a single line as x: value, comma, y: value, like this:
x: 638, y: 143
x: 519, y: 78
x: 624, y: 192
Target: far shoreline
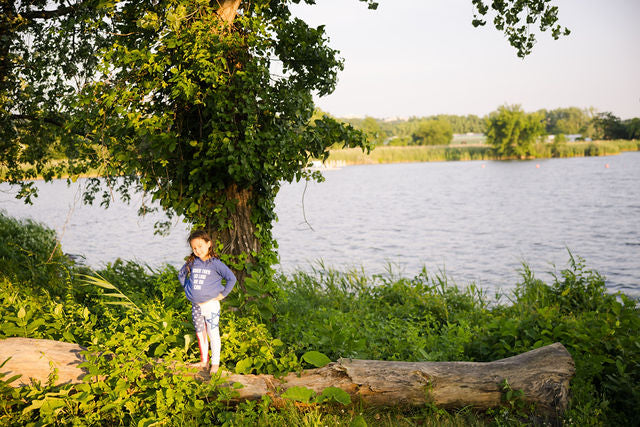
x: 464, y: 152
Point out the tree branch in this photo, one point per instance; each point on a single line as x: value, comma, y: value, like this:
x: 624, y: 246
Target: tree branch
x: 49, y: 120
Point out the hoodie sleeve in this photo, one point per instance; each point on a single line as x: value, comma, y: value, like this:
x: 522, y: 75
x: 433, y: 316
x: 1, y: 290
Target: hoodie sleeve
x: 226, y: 273
x: 185, y: 281
x: 182, y: 275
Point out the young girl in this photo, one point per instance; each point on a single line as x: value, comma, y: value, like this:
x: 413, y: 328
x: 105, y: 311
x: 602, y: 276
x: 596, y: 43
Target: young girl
x: 201, y: 277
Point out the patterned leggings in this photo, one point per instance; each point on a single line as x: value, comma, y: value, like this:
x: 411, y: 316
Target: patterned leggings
x: 206, y: 319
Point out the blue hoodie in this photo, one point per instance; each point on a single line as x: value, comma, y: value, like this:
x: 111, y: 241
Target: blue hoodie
x: 205, y: 280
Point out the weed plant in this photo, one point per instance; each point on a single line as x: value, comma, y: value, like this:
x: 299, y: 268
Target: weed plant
x: 340, y: 314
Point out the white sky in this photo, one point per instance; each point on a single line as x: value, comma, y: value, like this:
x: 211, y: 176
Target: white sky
x: 423, y: 57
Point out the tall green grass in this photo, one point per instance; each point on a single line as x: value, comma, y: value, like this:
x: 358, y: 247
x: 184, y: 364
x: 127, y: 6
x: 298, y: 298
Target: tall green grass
x: 400, y: 154
x: 586, y: 148
x: 412, y: 154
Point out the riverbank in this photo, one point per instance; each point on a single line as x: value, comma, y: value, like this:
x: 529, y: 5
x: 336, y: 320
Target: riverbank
x: 462, y: 152
x: 143, y: 315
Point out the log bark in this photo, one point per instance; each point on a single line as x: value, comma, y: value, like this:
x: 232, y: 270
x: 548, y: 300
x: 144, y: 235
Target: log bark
x: 542, y: 374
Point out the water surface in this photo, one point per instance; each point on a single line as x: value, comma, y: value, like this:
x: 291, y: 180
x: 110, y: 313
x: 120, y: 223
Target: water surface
x: 476, y: 221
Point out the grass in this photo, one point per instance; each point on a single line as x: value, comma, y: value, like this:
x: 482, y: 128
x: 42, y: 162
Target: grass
x: 440, y: 153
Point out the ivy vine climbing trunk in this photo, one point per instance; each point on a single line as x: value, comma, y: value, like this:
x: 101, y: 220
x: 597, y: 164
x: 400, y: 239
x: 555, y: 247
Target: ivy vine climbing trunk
x: 238, y: 236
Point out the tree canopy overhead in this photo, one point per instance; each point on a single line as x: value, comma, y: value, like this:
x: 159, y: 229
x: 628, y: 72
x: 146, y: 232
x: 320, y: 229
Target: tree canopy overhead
x: 179, y: 99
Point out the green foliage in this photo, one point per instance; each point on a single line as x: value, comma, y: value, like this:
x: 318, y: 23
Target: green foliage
x: 433, y: 132
x: 399, y: 132
x: 513, y: 398
x: 570, y: 121
x: 101, y: 282
x: 517, y: 29
x: 611, y: 127
x: 598, y: 329
x: 512, y: 132
x: 30, y: 255
x: 348, y: 315
x: 633, y: 128
x: 372, y: 130
x: 250, y: 346
x: 256, y: 296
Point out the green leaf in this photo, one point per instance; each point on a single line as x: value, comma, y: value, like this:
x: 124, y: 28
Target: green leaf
x: 21, y: 313
x: 244, y: 366
x: 147, y: 422
x: 316, y: 358
x: 50, y: 404
x: 35, y: 404
x: 335, y: 394
x: 358, y: 421
x: 299, y: 394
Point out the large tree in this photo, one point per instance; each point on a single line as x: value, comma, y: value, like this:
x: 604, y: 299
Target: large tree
x: 205, y: 105
x: 513, y: 132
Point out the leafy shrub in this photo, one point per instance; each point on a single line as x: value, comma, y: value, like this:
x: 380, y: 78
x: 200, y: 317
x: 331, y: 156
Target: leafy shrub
x: 599, y: 329
x: 30, y: 256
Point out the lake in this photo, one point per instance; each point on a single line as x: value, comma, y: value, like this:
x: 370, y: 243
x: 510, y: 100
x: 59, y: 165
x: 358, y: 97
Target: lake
x: 473, y: 221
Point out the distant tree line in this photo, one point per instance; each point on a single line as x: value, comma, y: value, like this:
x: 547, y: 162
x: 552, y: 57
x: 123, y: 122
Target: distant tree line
x: 611, y: 127
x: 509, y: 125
x: 431, y: 130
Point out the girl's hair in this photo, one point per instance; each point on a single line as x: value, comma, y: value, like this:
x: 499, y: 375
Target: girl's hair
x: 199, y: 234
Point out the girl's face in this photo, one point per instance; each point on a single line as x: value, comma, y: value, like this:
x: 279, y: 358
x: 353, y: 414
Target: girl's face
x: 200, y: 248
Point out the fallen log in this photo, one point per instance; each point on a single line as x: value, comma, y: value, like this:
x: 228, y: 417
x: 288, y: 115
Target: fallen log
x: 542, y: 374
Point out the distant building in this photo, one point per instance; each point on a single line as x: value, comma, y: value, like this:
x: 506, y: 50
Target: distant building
x: 569, y: 138
x: 469, y: 138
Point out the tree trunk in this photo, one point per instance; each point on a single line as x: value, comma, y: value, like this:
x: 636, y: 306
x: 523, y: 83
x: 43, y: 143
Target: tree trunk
x: 542, y: 374
x: 240, y: 238
x: 228, y: 10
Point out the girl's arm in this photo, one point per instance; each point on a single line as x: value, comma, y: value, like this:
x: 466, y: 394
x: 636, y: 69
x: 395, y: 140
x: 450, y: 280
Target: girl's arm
x: 227, y: 275
x: 182, y: 275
